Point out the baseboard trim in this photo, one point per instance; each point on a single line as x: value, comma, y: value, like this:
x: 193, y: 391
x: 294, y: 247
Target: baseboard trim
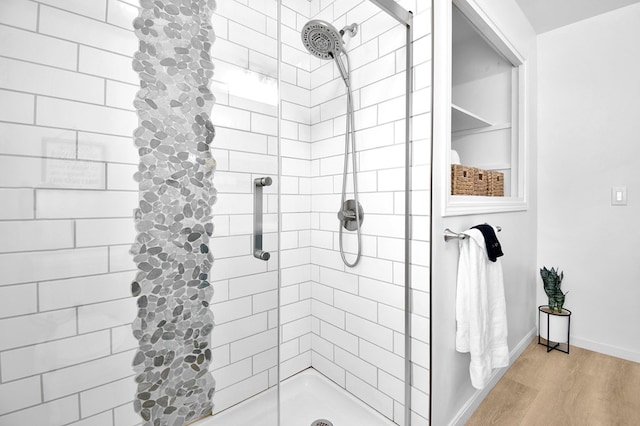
x: 464, y: 414
x: 605, y: 349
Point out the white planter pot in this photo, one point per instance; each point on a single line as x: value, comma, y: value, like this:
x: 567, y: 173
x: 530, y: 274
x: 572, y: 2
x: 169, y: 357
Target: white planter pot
x: 558, y: 327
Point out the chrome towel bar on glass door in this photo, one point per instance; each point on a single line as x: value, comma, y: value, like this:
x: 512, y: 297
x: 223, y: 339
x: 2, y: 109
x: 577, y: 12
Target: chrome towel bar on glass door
x: 450, y: 235
x: 261, y: 182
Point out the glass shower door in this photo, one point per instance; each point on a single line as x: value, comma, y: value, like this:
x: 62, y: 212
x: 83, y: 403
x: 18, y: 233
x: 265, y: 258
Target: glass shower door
x: 343, y: 345
x: 245, y: 302
x: 303, y: 316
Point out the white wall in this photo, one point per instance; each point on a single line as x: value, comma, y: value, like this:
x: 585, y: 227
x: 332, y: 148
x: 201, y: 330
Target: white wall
x: 589, y: 104
x: 453, y: 397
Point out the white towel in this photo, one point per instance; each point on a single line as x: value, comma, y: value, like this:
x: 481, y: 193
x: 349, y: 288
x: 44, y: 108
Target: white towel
x: 481, y: 313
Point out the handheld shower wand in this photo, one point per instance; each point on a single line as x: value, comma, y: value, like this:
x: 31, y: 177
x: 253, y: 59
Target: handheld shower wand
x: 325, y: 42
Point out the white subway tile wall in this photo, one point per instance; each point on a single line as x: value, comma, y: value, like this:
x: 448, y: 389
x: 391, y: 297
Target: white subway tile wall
x: 67, y: 157
x: 66, y: 165
x: 357, y: 313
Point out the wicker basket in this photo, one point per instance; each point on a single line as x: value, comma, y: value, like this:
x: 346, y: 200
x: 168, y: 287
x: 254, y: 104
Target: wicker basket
x: 480, y: 182
x: 495, y: 184
x: 462, y: 179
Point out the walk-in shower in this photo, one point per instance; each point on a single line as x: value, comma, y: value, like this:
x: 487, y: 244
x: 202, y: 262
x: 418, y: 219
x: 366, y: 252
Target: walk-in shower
x: 228, y: 99
x: 326, y: 317
x: 324, y: 41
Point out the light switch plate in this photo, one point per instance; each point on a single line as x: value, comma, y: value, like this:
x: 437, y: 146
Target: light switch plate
x: 619, y: 196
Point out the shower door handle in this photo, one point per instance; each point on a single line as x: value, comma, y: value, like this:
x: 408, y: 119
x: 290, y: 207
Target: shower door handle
x: 259, y: 183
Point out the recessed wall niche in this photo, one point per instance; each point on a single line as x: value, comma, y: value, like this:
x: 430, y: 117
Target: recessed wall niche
x: 487, y: 103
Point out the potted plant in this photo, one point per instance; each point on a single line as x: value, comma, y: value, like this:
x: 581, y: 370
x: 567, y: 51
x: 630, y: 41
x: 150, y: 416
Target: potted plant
x: 554, y: 326
x: 552, y: 280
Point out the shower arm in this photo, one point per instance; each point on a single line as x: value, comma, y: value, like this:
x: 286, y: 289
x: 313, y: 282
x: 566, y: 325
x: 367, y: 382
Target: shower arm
x: 351, y: 29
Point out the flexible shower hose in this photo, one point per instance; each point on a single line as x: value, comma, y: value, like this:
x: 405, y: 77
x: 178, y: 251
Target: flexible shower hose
x: 350, y: 134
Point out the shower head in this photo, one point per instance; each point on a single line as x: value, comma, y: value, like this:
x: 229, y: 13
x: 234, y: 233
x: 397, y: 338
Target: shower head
x: 322, y: 39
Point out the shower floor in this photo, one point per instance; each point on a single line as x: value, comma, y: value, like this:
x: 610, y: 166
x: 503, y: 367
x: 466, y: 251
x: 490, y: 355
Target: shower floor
x: 305, y: 397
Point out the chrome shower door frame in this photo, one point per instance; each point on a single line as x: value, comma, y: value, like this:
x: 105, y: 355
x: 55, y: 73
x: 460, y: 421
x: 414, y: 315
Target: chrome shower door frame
x: 405, y: 18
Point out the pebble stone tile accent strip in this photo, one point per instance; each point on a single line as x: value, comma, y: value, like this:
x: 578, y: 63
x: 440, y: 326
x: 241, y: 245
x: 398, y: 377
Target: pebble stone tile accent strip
x: 174, y: 217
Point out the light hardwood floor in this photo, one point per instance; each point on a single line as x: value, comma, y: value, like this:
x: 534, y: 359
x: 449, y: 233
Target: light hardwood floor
x: 582, y: 388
